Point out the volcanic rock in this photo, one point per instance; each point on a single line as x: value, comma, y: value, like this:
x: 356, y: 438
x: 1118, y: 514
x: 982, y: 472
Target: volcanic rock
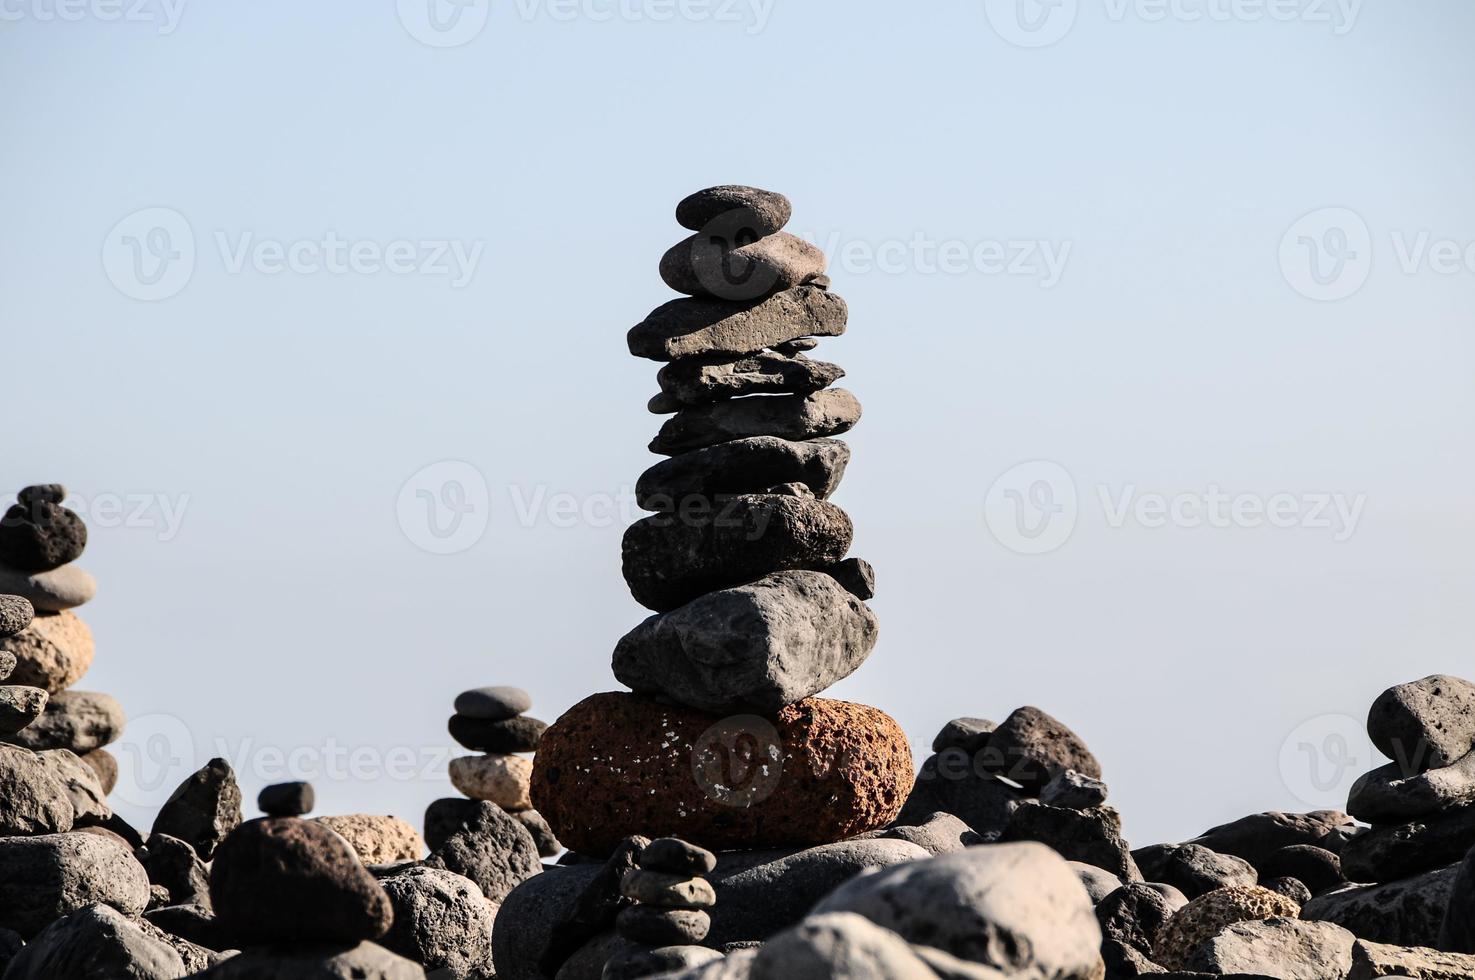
x: 492, y: 849
x: 286, y: 799
x: 710, y: 328
x: 699, y: 380
x: 1288, y: 949
x: 95, y: 943
x: 53, y: 654
x: 203, y: 809
x: 722, y: 266
x: 1389, y: 853
x: 493, y: 703
x: 519, y: 734
x: 77, y: 720
x: 79, y: 780
x: 499, y: 779
x: 32, y: 800
x: 15, y: 615
x: 55, y: 875
x: 376, y: 839
x: 1208, y: 915
x: 952, y: 781
x: 441, y: 920
x: 763, y: 212
x: 823, y: 413
x: 1401, y: 913
x: 1425, y: 724
x: 1389, y: 795
x: 693, y: 480
x: 1031, y: 747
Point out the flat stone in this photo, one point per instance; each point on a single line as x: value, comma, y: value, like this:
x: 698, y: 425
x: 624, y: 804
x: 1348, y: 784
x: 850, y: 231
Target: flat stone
x: 761, y: 646
x: 493, y: 703
x: 671, y: 559
x: 817, y: 771
x: 41, y: 535
x: 287, y: 799
x: 1089, y: 836
x: 839, y: 945
x: 76, y: 720
x: 19, y: 706
x: 1402, y: 913
x: 442, y: 921
x: 674, y: 856
x: 1425, y: 724
x: 725, y: 266
x: 1389, y: 853
x: 1376, y: 960
x: 32, y: 800
x: 520, y: 734
x: 764, y: 212
x: 1031, y: 747
x: 1284, y: 948
x: 365, y: 961
x: 671, y: 891
x: 53, y: 654
x: 492, y: 849
x: 710, y: 327
x: 700, y: 381
x: 15, y: 615
x: 84, y: 789
x: 377, y: 839
x: 694, y: 480
x: 203, y: 809
x: 1391, y: 794
x: 953, y: 781
x: 499, y: 779
x: 1018, y: 908
x: 52, y: 876
x: 651, y: 925
x: 96, y: 943
x: 1208, y: 915
x: 940, y: 833
x: 1260, y: 835
x: 52, y: 591
x: 1317, y: 868
x: 824, y: 413
x: 967, y: 734
x: 1073, y: 791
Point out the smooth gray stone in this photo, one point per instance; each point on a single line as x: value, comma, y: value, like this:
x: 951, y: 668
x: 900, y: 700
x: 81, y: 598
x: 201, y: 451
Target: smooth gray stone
x: 724, y: 263
x: 493, y: 703
x: 765, y: 212
x: 1408, y: 912
x: 1018, y: 908
x: 760, y: 646
x: 95, y: 943
x: 699, y: 381
x: 654, y: 925
x: 672, y: 891
x: 941, y: 833
x: 77, y: 720
x: 803, y: 344
x: 1073, y: 791
x: 366, y: 961
x: 16, y: 613
x: 675, y: 856
x: 1424, y: 724
x: 55, y: 875
x: 1389, y: 853
x: 838, y: 946
x: 441, y: 920
x: 84, y: 790
x: 952, y: 781
x: 967, y: 734
x: 822, y: 414
x: 749, y: 465
x: 1089, y: 836
x: 53, y: 591
x: 203, y: 809
x: 1389, y: 794
x: 1289, y: 949
x: 1098, y: 882
x: 19, y: 707
x: 531, y: 917
x: 292, y: 799
x: 710, y: 327
x: 542, y: 834
x: 671, y: 559
x: 32, y: 800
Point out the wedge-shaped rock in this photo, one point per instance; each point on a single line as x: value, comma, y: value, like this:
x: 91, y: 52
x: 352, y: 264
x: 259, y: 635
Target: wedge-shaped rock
x: 698, y: 381
x: 1424, y: 724
x: 824, y: 413
x: 750, y: 465
x: 704, y: 327
x: 1389, y: 795
x: 671, y: 559
x: 759, y: 647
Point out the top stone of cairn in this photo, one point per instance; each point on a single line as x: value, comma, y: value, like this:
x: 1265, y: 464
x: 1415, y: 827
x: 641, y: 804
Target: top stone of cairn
x: 762, y: 212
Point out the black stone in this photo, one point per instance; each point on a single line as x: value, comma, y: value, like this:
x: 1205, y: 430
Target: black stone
x: 676, y: 857
x: 40, y: 536
x: 286, y: 799
x: 204, y: 809
x: 652, y: 926
x: 520, y: 734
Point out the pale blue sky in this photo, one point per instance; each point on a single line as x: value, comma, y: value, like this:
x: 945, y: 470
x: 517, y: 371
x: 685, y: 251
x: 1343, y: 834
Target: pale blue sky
x: 1161, y: 162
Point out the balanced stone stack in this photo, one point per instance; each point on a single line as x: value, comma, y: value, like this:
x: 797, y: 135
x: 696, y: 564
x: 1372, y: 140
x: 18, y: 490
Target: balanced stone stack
x: 40, y: 541
x: 671, y: 912
x: 757, y: 608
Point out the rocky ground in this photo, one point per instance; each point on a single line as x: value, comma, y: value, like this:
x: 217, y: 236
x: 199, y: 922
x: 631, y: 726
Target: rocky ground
x: 720, y: 820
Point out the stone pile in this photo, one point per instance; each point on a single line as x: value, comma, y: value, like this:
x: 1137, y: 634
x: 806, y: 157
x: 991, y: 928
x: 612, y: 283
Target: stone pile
x: 670, y: 916
x: 40, y: 542
x: 757, y: 609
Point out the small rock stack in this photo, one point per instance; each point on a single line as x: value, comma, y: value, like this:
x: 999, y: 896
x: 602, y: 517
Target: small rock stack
x: 1422, y: 804
x: 493, y: 721
x: 669, y: 917
x: 757, y: 608
x: 40, y: 541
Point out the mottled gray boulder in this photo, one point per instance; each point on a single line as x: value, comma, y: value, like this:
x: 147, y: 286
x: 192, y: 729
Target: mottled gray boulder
x: 77, y: 720
x: 1389, y: 853
x: 1016, y: 907
x: 95, y: 943
x: 527, y: 925
x: 1031, y: 748
x: 838, y: 946
x: 1376, y: 960
x: 15, y: 615
x: 1259, y: 835
x: 760, y: 646
x: 204, y: 809
x: 84, y: 790
x: 19, y: 707
x: 710, y: 327
x: 700, y: 380
x: 48, y: 877
x: 492, y: 849
x: 1287, y: 949
x: 1195, y: 870
x: 952, y: 781
x: 366, y: 961
x: 174, y: 865
x: 750, y: 465
x: 1401, y: 913
x: 823, y: 413
x: 441, y: 920
x: 32, y: 801
x: 1424, y: 724
x: 1073, y: 791
x: 1134, y: 917
x: 1389, y: 794
x: 671, y: 559
x: 1090, y: 836
x: 722, y: 265
x: 762, y: 212
x: 196, y: 958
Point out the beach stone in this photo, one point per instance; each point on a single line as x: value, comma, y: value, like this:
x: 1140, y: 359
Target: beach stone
x: 1098, y: 882
x: 673, y: 856
x: 77, y: 720
x: 1389, y: 794
x: 701, y: 380
x: 445, y: 816
x: 796, y: 417
x: 196, y: 958
x: 672, y: 891
x: 19, y: 706
x: 760, y: 646
x: 1424, y: 724
x: 286, y: 799
x: 1317, y: 868
x: 493, y: 703
x: 15, y: 615
x: 1282, y: 948
x: 499, y: 779
x: 53, y: 654
x: 669, y: 559
x: 174, y: 865
x: 79, y: 780
x: 1018, y: 908
x: 817, y: 771
x: 651, y: 925
x: 1401, y: 913
x: 1134, y: 916
x: 331, y: 961
x: 764, y: 212
x: 1457, y: 931
x: 518, y: 734
x: 940, y: 833
x: 1073, y: 791
x: 969, y: 735
x: 1292, y: 888
x: 102, y: 762
x: 203, y: 809
x: 719, y: 263
x: 662, y: 961
x: 1260, y: 835
x: 528, y: 934
x: 441, y: 920
x: 1376, y: 960
x: 1031, y: 747
x: 492, y: 849
x: 953, y: 781
x: 320, y: 891
x: 686, y: 328
x: 1089, y: 836
x: 32, y: 801
x: 1388, y: 853
x: 1210, y: 914
x: 1195, y: 870
x: 51, y: 591
x: 838, y: 946
x: 7, y: 663
x: 95, y: 943
x: 377, y: 839
x: 696, y: 479
x: 48, y: 877
x: 42, y: 535
x: 543, y: 836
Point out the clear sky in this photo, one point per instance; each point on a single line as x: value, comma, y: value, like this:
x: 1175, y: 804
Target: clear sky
x: 263, y: 264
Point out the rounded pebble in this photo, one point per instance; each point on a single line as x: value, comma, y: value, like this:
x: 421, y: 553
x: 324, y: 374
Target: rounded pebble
x: 493, y: 703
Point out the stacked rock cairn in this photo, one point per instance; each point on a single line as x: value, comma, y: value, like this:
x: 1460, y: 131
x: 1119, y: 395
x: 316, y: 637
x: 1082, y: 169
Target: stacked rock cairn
x: 40, y: 542
x: 670, y: 915
x: 756, y: 607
